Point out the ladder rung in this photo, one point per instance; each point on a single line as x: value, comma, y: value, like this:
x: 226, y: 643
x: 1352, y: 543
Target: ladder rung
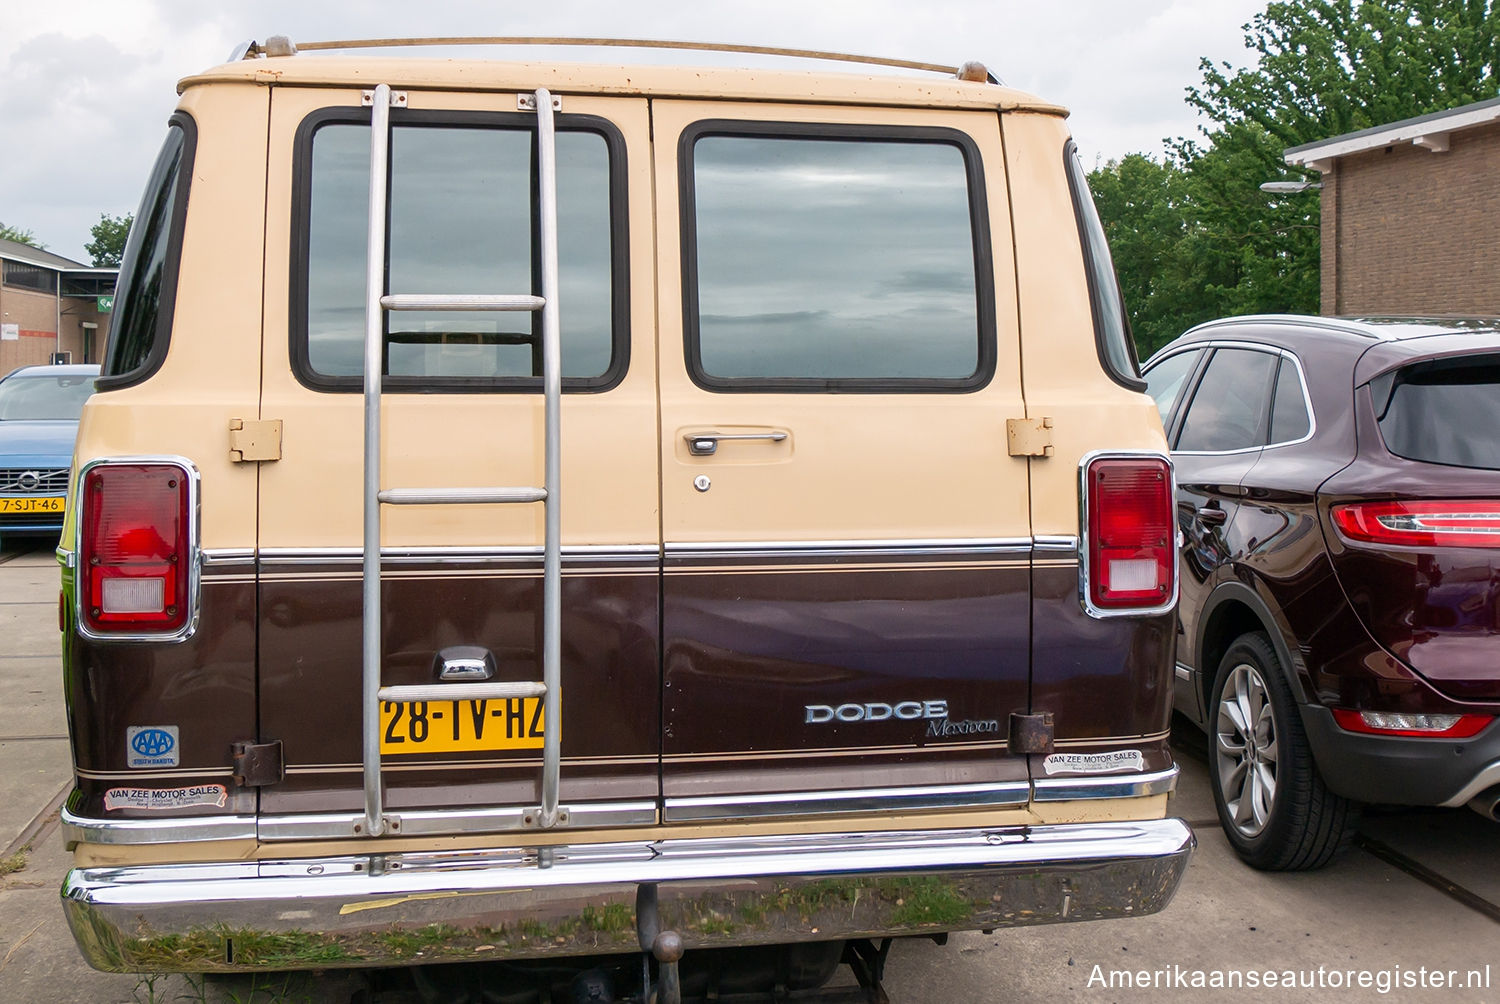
x: 461, y: 496
x: 463, y: 691
x: 460, y: 301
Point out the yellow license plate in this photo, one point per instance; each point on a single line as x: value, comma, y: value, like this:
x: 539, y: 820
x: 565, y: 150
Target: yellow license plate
x: 56, y: 504
x: 460, y: 726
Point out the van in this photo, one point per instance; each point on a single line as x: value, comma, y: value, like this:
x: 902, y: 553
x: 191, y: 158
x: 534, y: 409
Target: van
x: 537, y: 510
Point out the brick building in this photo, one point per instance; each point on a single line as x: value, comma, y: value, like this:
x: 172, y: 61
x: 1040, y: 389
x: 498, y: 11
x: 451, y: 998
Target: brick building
x: 1411, y: 214
x: 50, y: 304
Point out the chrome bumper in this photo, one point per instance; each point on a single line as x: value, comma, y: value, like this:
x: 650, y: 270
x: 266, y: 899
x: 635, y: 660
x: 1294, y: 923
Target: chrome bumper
x: 400, y: 909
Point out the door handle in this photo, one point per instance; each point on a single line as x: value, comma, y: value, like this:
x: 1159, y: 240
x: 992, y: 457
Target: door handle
x: 706, y: 444
x: 1211, y: 516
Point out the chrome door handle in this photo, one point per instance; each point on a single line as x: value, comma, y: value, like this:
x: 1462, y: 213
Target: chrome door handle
x: 1211, y: 516
x: 706, y: 444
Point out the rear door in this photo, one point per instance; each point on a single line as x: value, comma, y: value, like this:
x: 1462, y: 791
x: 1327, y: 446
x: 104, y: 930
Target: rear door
x: 847, y: 541
x: 462, y: 407
x: 1217, y: 441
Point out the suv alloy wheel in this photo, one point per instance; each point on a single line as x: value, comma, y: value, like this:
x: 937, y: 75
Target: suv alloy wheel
x: 1276, y: 811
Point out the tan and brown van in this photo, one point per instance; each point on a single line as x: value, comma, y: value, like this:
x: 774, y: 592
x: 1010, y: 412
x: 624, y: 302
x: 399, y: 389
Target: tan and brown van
x: 569, y: 510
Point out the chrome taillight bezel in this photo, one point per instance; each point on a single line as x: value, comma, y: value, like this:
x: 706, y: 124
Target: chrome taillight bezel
x: 193, y: 571
x: 1085, y: 543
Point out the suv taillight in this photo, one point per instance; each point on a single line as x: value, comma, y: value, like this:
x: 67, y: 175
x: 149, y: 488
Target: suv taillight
x: 1421, y: 524
x: 1130, y: 534
x: 135, y: 556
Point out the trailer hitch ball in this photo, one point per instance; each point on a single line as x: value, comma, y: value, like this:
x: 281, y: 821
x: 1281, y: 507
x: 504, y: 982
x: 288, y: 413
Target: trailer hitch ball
x: 668, y: 951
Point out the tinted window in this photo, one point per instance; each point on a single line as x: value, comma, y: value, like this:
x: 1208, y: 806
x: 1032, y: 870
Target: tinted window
x: 1289, y: 418
x: 58, y: 397
x: 141, y: 319
x: 1229, y: 407
x: 1445, y: 412
x: 1111, y: 326
x: 1164, y: 380
x: 830, y: 260
x: 462, y: 221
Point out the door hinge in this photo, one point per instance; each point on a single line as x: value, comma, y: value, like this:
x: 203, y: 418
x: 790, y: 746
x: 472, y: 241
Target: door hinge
x: 1029, y: 437
x: 258, y: 764
x: 1030, y: 733
x: 254, y: 440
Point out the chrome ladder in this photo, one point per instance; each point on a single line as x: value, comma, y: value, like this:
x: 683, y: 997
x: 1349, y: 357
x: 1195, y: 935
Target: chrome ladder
x: 377, y: 301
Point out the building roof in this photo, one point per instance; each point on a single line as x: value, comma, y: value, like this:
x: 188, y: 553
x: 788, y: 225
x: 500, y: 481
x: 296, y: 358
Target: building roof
x: 1428, y: 131
x: 16, y: 251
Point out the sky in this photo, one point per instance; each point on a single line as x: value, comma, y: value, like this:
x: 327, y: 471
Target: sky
x: 86, y: 85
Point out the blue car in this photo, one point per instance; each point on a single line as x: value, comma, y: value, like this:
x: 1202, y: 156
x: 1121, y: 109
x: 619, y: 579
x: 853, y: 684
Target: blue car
x: 39, y: 409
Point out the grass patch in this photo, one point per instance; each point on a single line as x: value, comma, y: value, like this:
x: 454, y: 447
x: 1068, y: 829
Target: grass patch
x: 16, y: 862
x: 926, y: 902
x: 612, y: 918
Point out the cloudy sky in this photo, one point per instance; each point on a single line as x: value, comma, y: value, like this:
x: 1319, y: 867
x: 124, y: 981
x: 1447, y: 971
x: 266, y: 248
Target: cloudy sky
x: 86, y: 85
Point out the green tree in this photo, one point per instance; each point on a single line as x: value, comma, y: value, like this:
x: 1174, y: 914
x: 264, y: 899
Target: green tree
x: 20, y: 237
x: 108, y: 243
x: 1141, y: 202
x: 1321, y: 68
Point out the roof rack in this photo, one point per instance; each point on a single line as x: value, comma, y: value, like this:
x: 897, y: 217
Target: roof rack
x: 281, y: 45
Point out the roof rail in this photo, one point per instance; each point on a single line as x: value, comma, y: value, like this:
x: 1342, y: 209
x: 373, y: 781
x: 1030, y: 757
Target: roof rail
x: 280, y: 45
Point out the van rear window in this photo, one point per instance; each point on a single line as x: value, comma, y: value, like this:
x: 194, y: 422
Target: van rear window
x: 146, y: 291
x: 822, y: 259
x: 1443, y: 412
x: 462, y: 220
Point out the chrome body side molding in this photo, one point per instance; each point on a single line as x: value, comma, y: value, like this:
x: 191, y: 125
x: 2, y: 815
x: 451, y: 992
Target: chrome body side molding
x: 1067, y: 789
x: 332, y: 825
x: 803, y: 804
x: 78, y: 829
x: 583, y: 815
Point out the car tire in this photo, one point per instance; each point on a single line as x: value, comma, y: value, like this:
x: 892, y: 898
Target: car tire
x: 1275, y: 809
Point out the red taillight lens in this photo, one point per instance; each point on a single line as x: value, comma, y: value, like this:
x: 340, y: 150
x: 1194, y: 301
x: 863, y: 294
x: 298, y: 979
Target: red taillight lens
x: 1131, y: 559
x: 135, y: 558
x: 1421, y: 524
x: 1428, y: 726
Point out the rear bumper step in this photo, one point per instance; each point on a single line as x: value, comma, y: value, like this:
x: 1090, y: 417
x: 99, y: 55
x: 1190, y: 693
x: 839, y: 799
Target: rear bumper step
x: 400, y: 909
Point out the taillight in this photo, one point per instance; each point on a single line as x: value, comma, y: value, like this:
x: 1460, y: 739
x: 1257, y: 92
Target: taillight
x: 1399, y: 723
x: 1421, y: 524
x: 1130, y: 552
x: 135, y: 557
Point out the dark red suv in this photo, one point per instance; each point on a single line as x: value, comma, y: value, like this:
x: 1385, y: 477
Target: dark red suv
x: 1338, y: 494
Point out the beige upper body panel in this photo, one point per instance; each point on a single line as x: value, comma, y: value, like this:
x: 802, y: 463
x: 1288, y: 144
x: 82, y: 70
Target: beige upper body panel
x: 919, y: 465
x: 211, y: 373
x: 710, y: 83
x: 311, y: 498
x: 1064, y: 376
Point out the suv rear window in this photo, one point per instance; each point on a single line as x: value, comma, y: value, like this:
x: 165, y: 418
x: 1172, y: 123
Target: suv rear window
x: 1442, y: 412
x: 462, y: 220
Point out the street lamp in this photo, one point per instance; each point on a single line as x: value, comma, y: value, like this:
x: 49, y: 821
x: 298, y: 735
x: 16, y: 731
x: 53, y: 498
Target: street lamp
x: 1289, y: 187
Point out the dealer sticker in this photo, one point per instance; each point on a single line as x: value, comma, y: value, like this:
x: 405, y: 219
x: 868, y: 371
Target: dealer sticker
x: 166, y: 798
x: 1094, y: 763
x: 151, y: 746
